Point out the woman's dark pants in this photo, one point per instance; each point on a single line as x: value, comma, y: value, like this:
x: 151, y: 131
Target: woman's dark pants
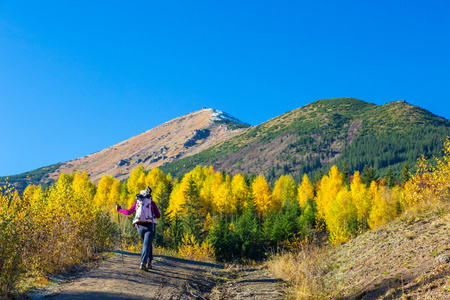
x: 147, y: 234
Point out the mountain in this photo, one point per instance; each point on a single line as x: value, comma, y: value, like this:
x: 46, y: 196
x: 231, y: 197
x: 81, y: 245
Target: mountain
x: 325, y: 132
x: 175, y: 139
x: 307, y: 140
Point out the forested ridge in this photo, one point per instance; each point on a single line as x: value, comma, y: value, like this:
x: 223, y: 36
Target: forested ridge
x: 312, y: 138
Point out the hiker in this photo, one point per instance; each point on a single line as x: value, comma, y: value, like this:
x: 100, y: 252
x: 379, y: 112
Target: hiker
x: 146, y: 212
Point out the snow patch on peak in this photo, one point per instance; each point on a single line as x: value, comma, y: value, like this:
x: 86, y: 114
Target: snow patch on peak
x: 220, y: 116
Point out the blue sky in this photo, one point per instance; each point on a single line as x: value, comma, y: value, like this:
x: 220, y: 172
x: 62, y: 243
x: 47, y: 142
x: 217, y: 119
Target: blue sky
x: 79, y: 76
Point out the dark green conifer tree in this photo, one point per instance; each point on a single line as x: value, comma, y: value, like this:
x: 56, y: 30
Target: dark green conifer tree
x: 405, y: 173
x: 285, y: 225
x: 307, y: 220
x: 219, y: 237
x: 163, y: 199
x: 248, y: 233
x: 345, y: 174
x: 390, y: 178
x: 175, y: 231
x: 192, y: 223
x: 368, y: 175
x: 318, y: 176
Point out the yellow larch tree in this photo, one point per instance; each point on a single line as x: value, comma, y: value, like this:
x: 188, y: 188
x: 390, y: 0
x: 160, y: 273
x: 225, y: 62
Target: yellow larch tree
x: 82, y: 187
x: 34, y: 196
x: 329, y: 187
x: 305, y: 191
x: 101, y: 198
x: 223, y: 199
x: 135, y: 184
x: 61, y: 193
x: 262, y: 195
x: 384, y: 205
x: 285, y: 189
x: 154, y: 178
x: 114, y: 196
x: 107, y: 195
x: 199, y: 174
x: 177, y: 197
x: 431, y: 183
x: 340, y: 216
x: 209, y: 188
x: 362, y: 198
x: 240, y: 191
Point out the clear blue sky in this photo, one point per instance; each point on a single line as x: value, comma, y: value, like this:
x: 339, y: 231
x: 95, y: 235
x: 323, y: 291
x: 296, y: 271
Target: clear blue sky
x: 79, y: 76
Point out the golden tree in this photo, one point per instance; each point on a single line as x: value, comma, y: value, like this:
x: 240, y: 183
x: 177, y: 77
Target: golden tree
x: 285, y: 189
x: 212, y: 183
x: 361, y: 197
x: 223, y: 199
x: 240, y: 191
x: 305, y: 191
x: 329, y: 187
x: 107, y: 195
x: 431, y: 183
x: 178, y: 196
x: 262, y: 195
x: 154, y: 178
x: 384, y: 206
x: 135, y: 184
x: 340, y: 216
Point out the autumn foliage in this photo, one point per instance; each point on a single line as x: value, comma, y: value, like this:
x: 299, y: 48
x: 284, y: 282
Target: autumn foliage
x: 47, y: 231
x: 206, y: 214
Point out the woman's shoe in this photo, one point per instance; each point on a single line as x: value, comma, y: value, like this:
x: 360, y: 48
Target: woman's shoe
x: 143, y: 267
x: 149, y: 265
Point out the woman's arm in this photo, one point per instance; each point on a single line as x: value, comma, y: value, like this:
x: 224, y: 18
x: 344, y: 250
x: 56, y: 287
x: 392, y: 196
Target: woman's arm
x: 156, y: 210
x: 127, y: 211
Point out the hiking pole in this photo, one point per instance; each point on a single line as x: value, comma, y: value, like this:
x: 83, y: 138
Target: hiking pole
x: 149, y: 190
x: 121, y: 240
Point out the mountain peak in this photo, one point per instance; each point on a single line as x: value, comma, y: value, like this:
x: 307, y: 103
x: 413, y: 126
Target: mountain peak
x: 219, y: 116
x: 181, y: 137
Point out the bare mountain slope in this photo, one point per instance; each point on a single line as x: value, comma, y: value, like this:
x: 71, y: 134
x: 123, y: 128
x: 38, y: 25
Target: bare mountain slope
x: 178, y: 138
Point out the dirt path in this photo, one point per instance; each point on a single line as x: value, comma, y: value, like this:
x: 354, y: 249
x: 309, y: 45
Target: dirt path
x: 170, y: 278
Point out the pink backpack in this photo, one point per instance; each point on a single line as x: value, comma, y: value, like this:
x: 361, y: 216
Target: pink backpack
x: 144, y: 212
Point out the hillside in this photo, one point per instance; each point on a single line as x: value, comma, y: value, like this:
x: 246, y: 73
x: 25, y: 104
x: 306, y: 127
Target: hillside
x: 327, y: 132
x: 175, y: 139
x: 406, y: 259
x: 305, y: 140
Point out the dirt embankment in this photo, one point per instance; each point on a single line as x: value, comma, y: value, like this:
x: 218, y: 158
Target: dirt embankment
x: 170, y: 278
x: 406, y: 259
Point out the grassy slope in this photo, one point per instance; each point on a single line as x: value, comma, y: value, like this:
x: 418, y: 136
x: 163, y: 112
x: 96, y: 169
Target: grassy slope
x: 316, y: 135
x: 398, y: 260
x: 22, y: 180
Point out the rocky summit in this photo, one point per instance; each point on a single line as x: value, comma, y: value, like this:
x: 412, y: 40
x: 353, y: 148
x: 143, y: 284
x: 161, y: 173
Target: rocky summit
x: 178, y: 138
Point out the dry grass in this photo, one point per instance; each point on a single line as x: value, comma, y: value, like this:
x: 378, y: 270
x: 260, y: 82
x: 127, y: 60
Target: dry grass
x: 366, y: 264
x: 389, y: 261
x: 301, y: 269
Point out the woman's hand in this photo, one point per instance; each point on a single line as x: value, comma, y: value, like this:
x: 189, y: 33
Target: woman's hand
x: 118, y: 207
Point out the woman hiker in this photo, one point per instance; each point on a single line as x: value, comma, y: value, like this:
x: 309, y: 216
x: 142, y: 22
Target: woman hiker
x: 146, y: 212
